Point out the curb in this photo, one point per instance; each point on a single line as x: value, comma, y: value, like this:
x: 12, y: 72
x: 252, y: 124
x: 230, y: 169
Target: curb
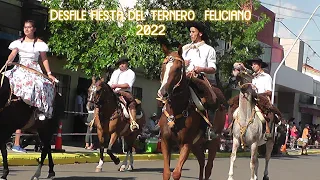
x: 30, y: 159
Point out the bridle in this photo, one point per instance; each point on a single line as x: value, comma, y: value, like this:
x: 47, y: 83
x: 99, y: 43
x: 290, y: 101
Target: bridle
x: 171, y: 59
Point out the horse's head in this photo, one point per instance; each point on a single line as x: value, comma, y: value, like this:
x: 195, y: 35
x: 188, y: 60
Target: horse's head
x: 172, y: 72
x: 98, y: 93
x: 244, y: 78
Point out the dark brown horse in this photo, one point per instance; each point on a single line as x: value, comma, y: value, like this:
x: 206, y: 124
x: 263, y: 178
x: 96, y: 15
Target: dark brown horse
x: 110, y: 120
x: 15, y: 114
x: 189, y: 127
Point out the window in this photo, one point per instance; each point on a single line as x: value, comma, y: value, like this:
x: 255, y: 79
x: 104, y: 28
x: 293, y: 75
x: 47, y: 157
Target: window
x: 63, y: 87
x: 137, y: 92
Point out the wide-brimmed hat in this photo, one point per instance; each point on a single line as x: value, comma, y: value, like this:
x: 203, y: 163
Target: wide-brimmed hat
x: 257, y: 60
x: 200, y: 26
x: 122, y: 59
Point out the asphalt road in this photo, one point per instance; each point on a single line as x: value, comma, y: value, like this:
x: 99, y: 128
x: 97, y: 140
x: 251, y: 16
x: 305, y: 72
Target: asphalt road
x: 293, y: 168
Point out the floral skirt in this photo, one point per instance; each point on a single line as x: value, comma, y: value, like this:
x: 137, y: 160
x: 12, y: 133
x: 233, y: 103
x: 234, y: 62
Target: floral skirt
x: 33, y: 89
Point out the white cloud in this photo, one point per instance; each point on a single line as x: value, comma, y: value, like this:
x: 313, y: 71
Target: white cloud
x: 284, y: 33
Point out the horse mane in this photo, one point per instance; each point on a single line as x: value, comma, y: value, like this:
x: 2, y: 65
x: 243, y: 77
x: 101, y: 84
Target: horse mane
x: 109, y: 90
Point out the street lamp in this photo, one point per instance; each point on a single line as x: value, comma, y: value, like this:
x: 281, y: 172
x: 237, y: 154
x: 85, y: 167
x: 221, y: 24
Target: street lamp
x: 285, y: 57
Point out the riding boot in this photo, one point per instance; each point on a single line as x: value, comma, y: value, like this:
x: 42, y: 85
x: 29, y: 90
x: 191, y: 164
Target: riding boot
x: 133, y: 124
x: 210, y: 134
x: 268, y: 133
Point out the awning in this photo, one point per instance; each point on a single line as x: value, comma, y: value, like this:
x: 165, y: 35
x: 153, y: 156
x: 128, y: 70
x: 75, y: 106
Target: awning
x: 310, y: 109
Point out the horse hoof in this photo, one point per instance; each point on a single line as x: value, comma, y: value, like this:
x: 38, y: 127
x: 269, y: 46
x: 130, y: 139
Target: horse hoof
x: 122, y: 168
x: 117, y: 161
x: 265, y: 178
x: 51, y: 175
x: 98, y: 170
x: 130, y: 168
x: 176, y: 175
x: 34, y: 178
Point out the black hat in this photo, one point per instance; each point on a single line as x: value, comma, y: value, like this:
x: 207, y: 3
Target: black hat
x: 122, y: 59
x: 258, y: 60
x: 200, y: 26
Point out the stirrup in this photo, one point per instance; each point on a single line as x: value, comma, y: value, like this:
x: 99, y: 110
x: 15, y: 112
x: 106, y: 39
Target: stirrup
x: 132, y: 124
x: 41, y: 116
x: 211, y: 134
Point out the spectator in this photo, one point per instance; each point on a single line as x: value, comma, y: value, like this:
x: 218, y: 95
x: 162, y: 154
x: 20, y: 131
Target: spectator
x: 294, y: 135
x: 305, y: 138
x: 151, y: 128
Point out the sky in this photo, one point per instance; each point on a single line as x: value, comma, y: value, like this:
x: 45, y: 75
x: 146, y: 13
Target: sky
x: 294, y: 21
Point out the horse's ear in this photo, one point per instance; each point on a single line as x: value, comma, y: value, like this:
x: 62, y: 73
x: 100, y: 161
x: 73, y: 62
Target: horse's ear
x: 165, y: 49
x: 164, y: 42
x: 93, y: 80
x: 180, y: 50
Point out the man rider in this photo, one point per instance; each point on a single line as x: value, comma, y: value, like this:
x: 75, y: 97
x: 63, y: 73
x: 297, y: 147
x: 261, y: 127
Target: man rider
x: 201, y: 58
x: 121, y: 82
x: 262, y: 83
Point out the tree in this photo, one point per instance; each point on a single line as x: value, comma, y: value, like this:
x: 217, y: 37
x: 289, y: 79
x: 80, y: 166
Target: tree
x: 92, y: 46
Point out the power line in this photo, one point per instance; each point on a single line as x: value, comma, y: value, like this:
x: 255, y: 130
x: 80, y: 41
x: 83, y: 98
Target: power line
x: 291, y: 17
x: 314, y: 52
x: 303, y: 12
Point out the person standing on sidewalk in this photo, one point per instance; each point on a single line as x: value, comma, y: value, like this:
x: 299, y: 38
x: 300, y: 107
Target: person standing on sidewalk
x: 305, y: 138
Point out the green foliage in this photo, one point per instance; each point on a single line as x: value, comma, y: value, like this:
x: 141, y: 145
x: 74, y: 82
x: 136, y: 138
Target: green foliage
x: 74, y: 39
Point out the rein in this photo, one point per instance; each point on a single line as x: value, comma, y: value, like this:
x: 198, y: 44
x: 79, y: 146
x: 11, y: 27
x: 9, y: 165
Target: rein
x: 243, y: 129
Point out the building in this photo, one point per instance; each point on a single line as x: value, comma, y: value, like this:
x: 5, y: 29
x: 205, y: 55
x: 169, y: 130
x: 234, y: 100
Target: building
x: 296, y: 91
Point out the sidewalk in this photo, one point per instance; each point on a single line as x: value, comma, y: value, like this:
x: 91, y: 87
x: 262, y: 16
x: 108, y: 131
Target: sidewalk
x: 74, y: 155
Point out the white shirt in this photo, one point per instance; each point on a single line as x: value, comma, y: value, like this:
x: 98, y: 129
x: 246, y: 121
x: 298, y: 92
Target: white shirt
x: 202, y: 55
x: 263, y: 82
x: 123, y: 77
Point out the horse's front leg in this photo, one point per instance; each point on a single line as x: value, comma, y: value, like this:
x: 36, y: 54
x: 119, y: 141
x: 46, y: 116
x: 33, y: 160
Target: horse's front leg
x: 101, y: 142
x: 254, y: 163
x: 113, y: 138
x: 166, y: 152
x: 233, y: 156
x: 184, y: 154
x: 269, y: 146
x: 5, y: 161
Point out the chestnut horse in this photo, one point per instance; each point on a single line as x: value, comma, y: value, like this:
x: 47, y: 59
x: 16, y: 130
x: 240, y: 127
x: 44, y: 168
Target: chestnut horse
x: 189, y: 127
x: 111, y: 122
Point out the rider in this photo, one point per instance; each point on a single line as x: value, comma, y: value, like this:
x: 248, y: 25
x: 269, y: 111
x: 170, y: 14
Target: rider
x: 201, y: 58
x: 121, y: 82
x: 262, y: 83
x: 33, y: 89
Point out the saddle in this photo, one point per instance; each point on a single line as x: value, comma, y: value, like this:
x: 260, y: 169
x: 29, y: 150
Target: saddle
x: 263, y: 107
x: 125, y: 109
x: 203, y: 94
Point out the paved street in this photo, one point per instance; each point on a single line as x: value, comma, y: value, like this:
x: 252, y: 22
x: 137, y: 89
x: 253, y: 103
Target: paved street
x: 293, y: 168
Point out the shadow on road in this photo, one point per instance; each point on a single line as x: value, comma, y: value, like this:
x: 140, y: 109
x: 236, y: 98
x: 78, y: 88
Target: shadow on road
x: 95, y: 178
x: 159, y: 170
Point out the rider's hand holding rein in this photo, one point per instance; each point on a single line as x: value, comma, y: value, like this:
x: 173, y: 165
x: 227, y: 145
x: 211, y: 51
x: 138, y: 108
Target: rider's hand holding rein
x: 11, y: 57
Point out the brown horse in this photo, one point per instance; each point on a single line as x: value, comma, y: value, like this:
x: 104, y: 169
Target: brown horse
x: 110, y: 120
x: 189, y: 127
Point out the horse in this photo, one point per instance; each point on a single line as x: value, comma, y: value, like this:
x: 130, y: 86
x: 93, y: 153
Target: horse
x: 16, y: 114
x: 110, y: 119
x: 248, y: 127
x: 181, y: 121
